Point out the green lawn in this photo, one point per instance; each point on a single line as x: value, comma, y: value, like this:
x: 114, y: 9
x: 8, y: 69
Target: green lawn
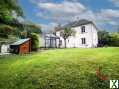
x: 60, y: 69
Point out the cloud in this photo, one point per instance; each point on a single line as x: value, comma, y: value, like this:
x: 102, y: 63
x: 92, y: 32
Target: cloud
x: 60, y: 12
x: 40, y: 1
x: 110, y: 13
x: 115, y: 2
x: 108, y: 16
x: 48, y: 27
x: 67, y: 11
x: 70, y: 10
x: 64, y: 7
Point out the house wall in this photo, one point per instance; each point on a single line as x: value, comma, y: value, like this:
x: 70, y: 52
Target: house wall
x: 75, y: 41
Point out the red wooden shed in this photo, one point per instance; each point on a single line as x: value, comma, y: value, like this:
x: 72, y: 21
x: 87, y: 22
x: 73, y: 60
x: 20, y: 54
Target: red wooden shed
x: 22, y: 46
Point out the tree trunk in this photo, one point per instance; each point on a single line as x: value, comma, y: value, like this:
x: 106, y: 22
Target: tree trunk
x: 65, y: 42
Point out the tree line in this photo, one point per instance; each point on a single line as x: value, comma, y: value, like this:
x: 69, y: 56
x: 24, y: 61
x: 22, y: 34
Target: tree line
x: 108, y: 38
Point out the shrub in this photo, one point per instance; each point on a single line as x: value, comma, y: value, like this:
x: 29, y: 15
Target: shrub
x: 23, y: 35
x: 103, y: 38
x: 108, y: 39
x: 114, y: 39
x: 35, y: 41
x: 3, y: 35
x: 6, y: 29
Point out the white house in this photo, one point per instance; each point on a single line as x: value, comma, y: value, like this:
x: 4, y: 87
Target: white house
x: 85, y: 36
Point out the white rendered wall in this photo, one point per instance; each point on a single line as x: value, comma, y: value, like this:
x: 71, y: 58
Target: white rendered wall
x: 75, y: 41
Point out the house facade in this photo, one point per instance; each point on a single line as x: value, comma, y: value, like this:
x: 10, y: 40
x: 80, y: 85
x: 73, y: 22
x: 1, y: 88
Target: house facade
x: 85, y: 35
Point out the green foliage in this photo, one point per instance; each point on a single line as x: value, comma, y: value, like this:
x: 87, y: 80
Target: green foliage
x: 7, y: 6
x: 66, y: 33
x: 35, y: 41
x: 103, y: 38
x: 108, y: 39
x: 5, y: 30
x: 6, y: 17
x: 21, y: 30
x: 32, y: 28
x: 114, y: 39
x: 60, y: 69
x: 23, y: 34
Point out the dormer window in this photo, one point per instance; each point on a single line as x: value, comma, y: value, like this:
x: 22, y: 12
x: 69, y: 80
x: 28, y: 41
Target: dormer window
x: 83, y: 29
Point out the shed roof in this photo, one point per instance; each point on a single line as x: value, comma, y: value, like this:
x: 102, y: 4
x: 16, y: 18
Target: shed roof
x: 21, y: 41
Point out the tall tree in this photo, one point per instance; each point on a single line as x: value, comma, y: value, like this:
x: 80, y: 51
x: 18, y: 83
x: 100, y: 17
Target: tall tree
x: 66, y: 33
x: 6, y: 8
x: 103, y: 38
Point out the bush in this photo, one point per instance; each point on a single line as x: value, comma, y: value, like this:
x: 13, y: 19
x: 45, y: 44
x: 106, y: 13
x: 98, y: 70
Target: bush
x: 103, y: 38
x: 114, y: 39
x: 23, y: 35
x: 6, y: 29
x: 108, y: 39
x: 34, y: 42
x: 3, y: 35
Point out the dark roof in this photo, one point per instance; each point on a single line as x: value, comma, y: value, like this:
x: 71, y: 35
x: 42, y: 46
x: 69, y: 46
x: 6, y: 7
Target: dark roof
x: 21, y: 41
x: 77, y: 23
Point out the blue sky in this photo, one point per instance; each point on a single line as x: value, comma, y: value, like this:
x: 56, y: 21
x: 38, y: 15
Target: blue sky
x: 49, y: 13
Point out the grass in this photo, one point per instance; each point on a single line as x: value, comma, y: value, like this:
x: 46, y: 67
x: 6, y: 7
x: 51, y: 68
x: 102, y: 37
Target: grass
x: 60, y: 69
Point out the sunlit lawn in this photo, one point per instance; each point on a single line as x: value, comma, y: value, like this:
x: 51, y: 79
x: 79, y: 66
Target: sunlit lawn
x: 60, y: 69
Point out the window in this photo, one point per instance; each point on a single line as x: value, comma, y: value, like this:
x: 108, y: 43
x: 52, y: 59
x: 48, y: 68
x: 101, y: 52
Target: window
x: 82, y: 29
x: 83, y: 40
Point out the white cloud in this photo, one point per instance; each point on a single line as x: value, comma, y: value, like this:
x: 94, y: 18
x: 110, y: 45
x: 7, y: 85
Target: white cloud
x: 110, y: 13
x: 108, y: 16
x: 64, y: 7
x: 101, y: 18
x: 60, y: 12
x: 48, y: 27
x: 115, y: 2
x: 70, y: 10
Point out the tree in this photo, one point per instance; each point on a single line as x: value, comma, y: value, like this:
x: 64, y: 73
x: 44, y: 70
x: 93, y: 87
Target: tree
x: 103, y: 38
x: 66, y: 33
x: 114, y: 39
x: 6, y: 7
x: 108, y: 39
x: 34, y: 41
x: 5, y: 30
x: 32, y: 28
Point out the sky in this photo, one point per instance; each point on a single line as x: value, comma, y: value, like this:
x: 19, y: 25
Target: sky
x: 50, y: 13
